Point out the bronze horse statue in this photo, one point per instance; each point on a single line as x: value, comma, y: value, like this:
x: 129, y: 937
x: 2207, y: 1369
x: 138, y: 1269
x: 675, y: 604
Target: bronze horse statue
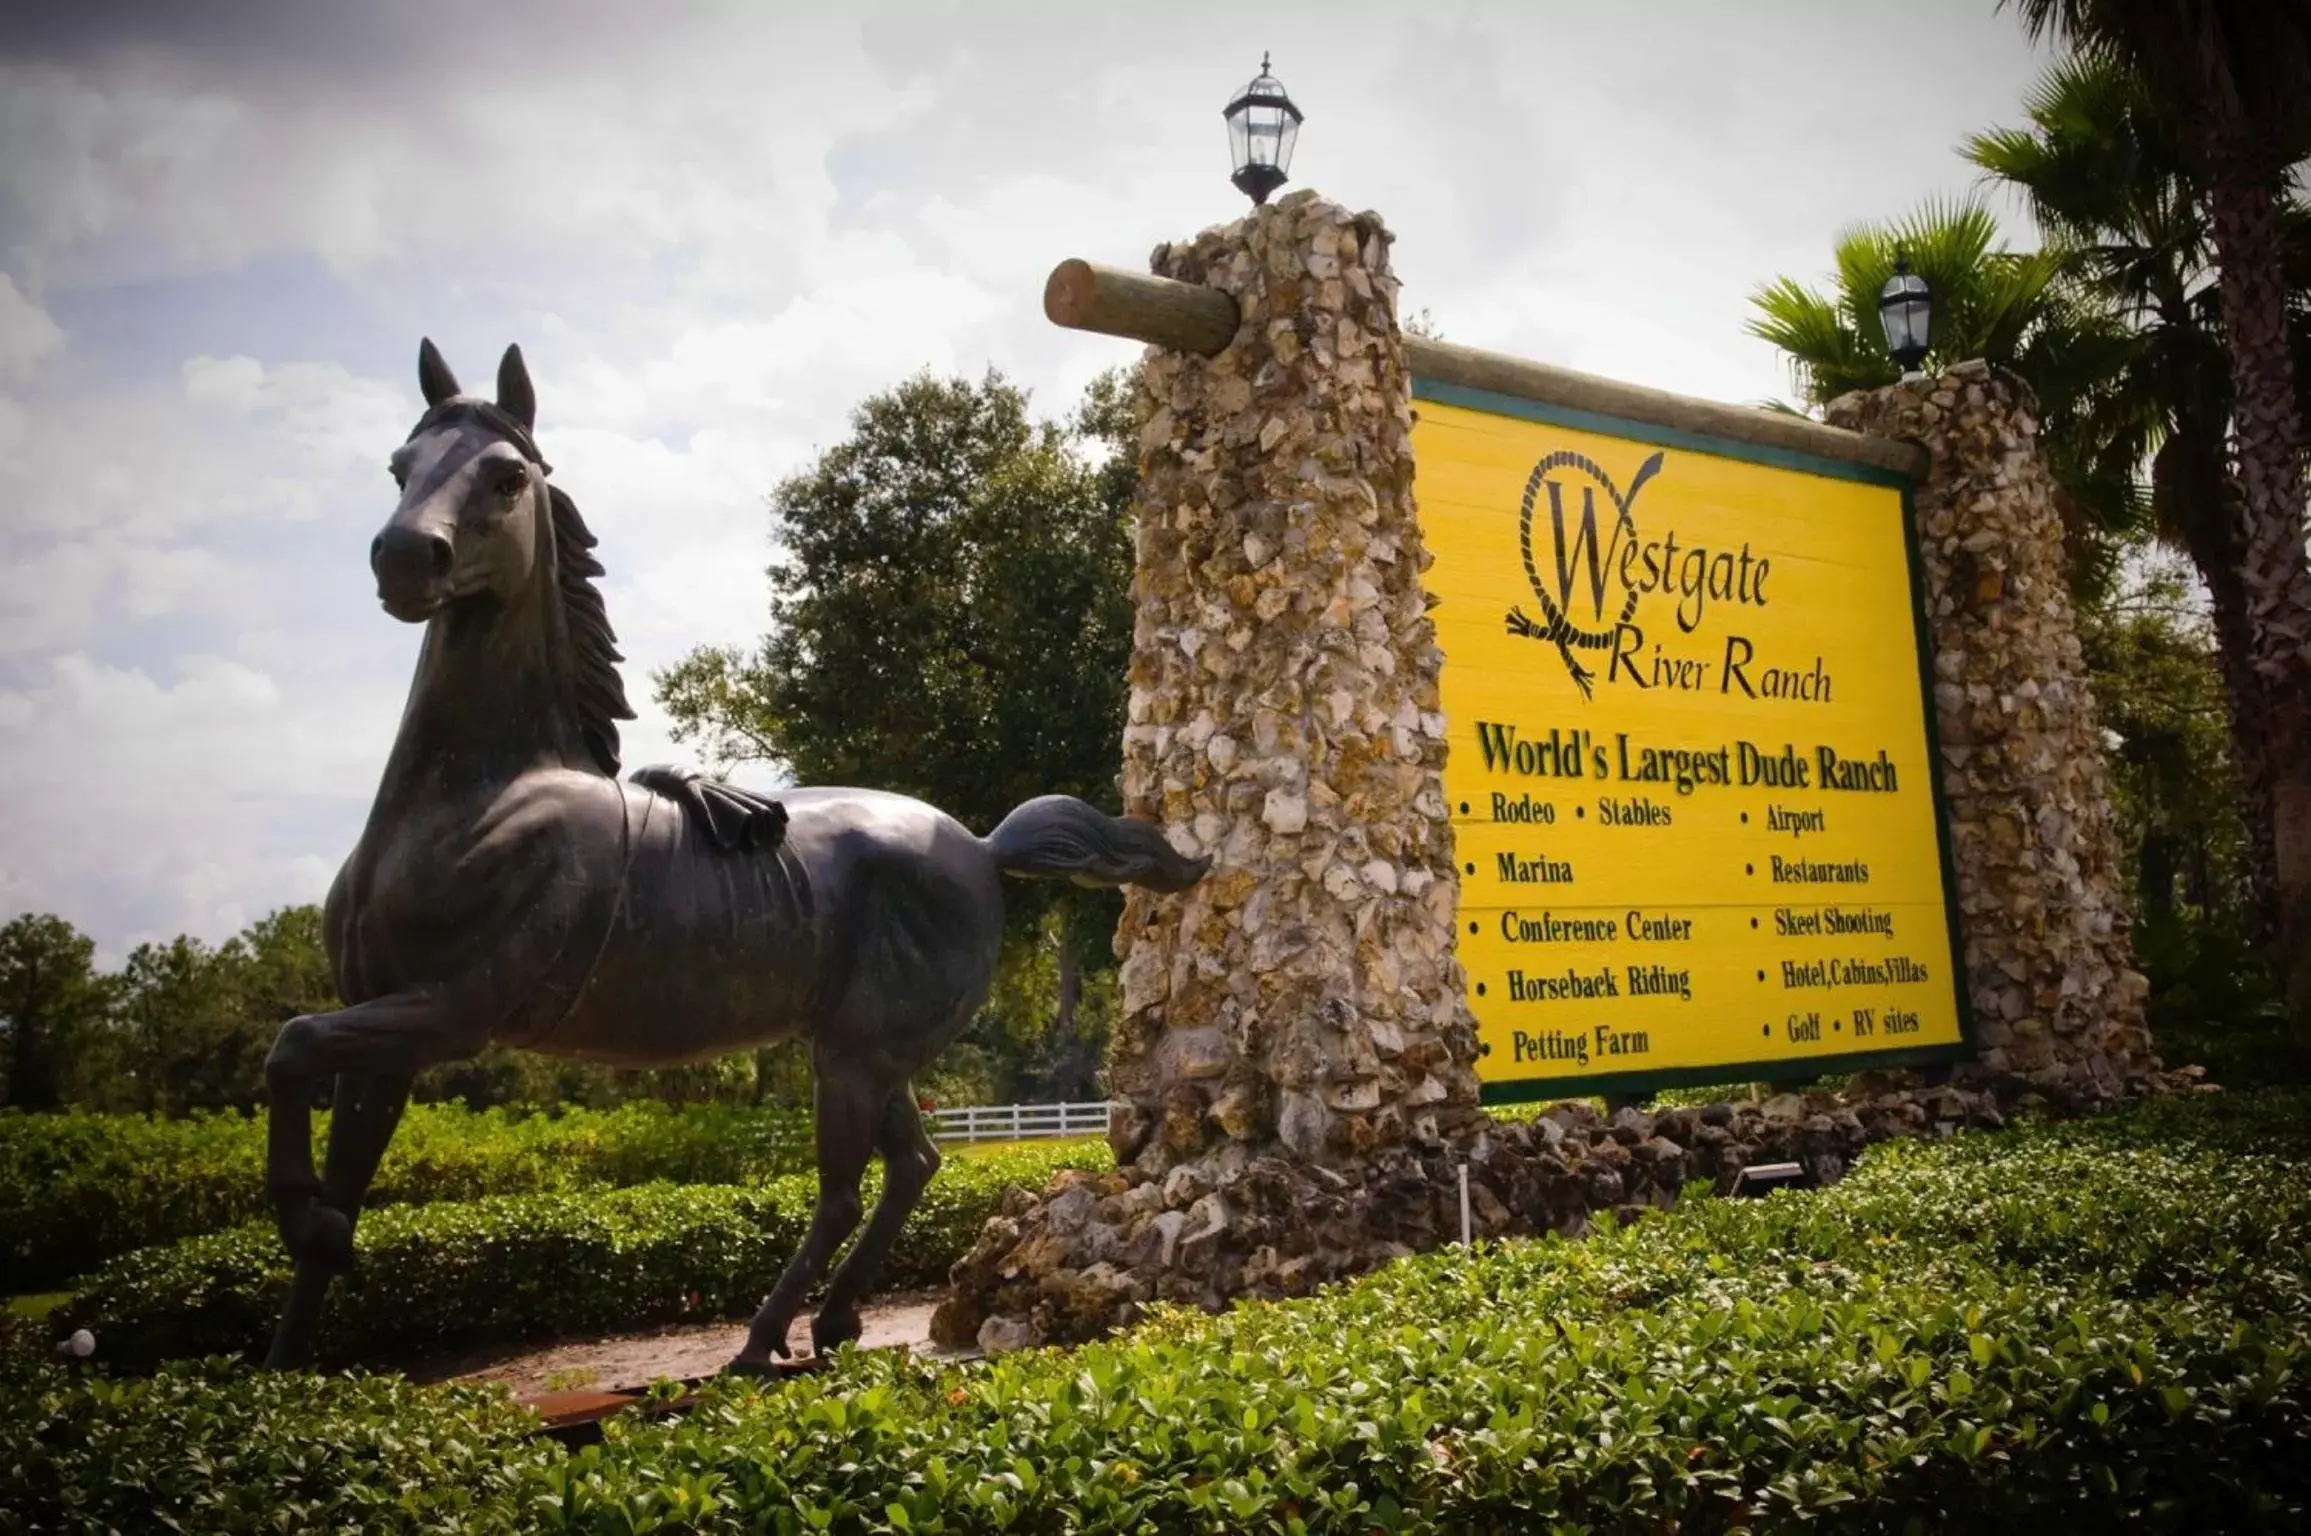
x: 510, y: 886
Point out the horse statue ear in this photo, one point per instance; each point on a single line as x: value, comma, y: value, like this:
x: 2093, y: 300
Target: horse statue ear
x: 433, y: 375
x: 517, y: 397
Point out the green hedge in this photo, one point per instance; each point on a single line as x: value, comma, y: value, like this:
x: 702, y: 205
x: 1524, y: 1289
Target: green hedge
x: 78, y: 1189
x: 443, y: 1276
x: 2087, y: 1327
x: 208, y: 1453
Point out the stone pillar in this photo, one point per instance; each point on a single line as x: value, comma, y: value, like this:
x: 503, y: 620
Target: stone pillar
x: 1295, y: 1050
x: 2049, y: 968
x: 1284, y: 720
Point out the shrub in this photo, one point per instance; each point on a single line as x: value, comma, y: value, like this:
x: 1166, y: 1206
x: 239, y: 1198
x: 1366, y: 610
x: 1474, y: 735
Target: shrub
x: 24, y: 1344
x: 2083, y: 1327
x: 221, y: 1450
x: 511, y: 1267
x: 77, y: 1189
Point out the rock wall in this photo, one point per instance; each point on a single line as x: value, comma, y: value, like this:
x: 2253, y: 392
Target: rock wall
x: 1084, y: 1256
x: 2057, y: 1002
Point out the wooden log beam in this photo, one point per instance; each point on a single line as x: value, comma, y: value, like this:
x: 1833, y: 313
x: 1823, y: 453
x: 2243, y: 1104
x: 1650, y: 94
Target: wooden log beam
x: 1086, y: 296
x: 1442, y: 363
x: 1186, y: 317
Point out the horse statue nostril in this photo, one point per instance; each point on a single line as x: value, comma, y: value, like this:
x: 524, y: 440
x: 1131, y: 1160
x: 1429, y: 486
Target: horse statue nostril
x: 413, y: 562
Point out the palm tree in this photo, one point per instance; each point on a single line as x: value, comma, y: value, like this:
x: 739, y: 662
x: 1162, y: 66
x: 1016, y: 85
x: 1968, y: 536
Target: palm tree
x: 2233, y: 77
x: 2107, y: 178
x: 2012, y: 308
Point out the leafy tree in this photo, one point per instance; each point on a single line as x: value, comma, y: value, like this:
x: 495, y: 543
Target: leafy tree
x: 285, y: 967
x: 950, y: 616
x: 185, y: 1026
x: 2158, y: 687
x: 951, y: 619
x: 2005, y: 306
x: 192, y: 1024
x: 1989, y: 300
x: 2106, y: 174
x: 2233, y: 79
x: 504, y: 1074
x: 51, y: 1008
x: 187, y: 1037
x: 2161, y: 699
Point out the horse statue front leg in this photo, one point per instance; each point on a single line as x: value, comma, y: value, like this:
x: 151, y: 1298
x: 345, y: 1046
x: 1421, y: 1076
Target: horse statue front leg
x: 373, y: 1049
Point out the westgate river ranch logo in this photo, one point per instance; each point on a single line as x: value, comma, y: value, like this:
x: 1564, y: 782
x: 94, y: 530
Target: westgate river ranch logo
x: 1590, y: 583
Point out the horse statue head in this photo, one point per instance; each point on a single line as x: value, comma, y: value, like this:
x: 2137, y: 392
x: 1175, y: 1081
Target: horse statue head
x: 472, y: 483
x: 478, y: 528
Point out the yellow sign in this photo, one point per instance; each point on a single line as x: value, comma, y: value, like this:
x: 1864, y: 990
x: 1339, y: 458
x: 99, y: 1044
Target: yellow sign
x: 1689, y: 763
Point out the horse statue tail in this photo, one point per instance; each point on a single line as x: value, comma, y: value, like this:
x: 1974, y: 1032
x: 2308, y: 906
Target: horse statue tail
x: 1060, y: 837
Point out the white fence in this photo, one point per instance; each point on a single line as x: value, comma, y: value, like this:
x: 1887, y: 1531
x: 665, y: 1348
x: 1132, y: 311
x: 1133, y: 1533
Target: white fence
x: 1017, y: 1122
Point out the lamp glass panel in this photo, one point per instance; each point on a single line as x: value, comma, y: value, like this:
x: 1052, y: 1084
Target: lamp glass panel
x: 1266, y: 128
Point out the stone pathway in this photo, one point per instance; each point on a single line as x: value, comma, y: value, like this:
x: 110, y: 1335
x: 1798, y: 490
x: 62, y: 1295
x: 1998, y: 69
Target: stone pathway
x: 629, y: 1360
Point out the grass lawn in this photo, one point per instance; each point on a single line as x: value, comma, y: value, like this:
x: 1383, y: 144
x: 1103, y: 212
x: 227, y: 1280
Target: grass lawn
x: 35, y: 1307
x: 1094, y: 1147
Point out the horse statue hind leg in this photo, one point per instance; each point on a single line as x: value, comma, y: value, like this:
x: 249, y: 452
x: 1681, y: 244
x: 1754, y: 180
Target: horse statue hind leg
x: 911, y: 990
x: 846, y: 1140
x: 865, y: 1104
x: 915, y: 935
x: 910, y: 1161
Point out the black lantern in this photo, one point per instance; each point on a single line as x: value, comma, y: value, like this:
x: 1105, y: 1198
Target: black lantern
x: 1262, y: 123
x: 1906, y: 310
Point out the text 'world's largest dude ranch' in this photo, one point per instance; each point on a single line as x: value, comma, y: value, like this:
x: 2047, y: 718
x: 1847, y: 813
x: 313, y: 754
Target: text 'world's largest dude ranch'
x: 1689, y: 774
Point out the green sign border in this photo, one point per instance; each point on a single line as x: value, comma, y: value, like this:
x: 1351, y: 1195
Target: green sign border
x: 1526, y: 1089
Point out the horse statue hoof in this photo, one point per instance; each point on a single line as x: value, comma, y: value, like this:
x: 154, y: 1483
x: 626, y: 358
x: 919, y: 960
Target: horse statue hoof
x: 775, y: 1368
x: 829, y: 1331
x: 322, y: 1237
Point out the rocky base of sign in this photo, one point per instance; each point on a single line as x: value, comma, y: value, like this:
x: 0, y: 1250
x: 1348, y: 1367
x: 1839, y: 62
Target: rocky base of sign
x: 2050, y: 971
x: 1094, y: 1250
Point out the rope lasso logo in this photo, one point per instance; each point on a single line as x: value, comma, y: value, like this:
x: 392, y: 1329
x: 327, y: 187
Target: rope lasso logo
x: 1557, y: 626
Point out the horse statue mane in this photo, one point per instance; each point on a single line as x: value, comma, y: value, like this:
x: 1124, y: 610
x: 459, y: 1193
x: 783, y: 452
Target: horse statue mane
x: 601, y: 692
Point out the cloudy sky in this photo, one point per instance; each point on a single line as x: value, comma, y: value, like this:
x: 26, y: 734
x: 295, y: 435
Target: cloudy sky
x: 714, y: 228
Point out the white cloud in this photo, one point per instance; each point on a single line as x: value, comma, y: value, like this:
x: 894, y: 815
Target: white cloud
x: 146, y: 807
x: 55, y: 597
x: 234, y: 384
x: 28, y: 336
x: 628, y: 137
x: 158, y: 462
x: 158, y: 582
x: 328, y: 416
x: 82, y: 159
x: 48, y: 598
